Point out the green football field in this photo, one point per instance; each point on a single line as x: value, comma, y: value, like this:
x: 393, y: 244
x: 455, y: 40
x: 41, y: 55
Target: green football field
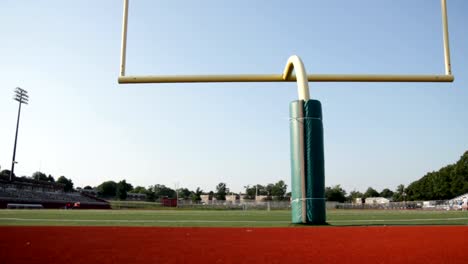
x: 212, y: 218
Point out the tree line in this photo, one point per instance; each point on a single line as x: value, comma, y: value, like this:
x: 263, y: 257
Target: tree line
x: 446, y: 183
x: 272, y: 190
x: 338, y: 194
x: 120, y: 190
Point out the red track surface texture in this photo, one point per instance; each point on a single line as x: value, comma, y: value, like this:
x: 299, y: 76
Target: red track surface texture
x: 444, y: 244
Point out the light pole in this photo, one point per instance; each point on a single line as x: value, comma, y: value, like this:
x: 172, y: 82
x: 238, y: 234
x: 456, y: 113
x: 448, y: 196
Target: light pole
x: 176, y: 185
x: 404, y: 199
x: 22, y: 97
x: 256, y: 192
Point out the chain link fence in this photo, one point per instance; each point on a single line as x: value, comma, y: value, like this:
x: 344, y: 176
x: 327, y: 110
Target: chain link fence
x: 423, y: 205
x: 237, y: 205
x: 286, y: 205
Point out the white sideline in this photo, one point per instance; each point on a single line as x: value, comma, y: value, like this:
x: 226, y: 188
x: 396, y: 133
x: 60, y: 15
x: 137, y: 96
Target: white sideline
x: 143, y: 221
x: 223, y: 221
x: 400, y: 220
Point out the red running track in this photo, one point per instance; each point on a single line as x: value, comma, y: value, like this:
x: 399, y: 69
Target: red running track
x: 68, y: 245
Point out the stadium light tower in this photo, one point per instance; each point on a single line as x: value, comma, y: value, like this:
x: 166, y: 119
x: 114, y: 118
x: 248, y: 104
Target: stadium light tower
x: 22, y: 97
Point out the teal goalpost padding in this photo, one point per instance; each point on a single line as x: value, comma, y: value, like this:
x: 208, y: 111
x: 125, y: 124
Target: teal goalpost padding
x: 298, y: 208
x: 307, y: 163
x: 314, y: 162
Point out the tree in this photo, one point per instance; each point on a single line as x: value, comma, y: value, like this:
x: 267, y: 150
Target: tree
x: 140, y: 189
x: 459, y: 176
x: 221, y: 191
x: 279, y: 190
x: 269, y: 189
x: 371, y: 192
x: 399, y: 194
x: 261, y: 190
x: 107, y: 189
x: 50, y: 178
x: 250, y: 192
x: 121, y: 190
x: 196, y: 195
x: 335, y: 194
x: 150, y: 195
x: 40, y: 176
x: 353, y: 195
x: 5, y: 174
x: 184, y: 193
x: 126, y: 186
x: 387, y: 193
x: 448, y: 182
x: 67, y: 183
x: 87, y: 187
x: 161, y: 191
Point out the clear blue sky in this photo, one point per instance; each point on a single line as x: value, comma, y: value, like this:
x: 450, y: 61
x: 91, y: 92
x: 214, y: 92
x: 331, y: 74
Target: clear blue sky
x: 82, y: 124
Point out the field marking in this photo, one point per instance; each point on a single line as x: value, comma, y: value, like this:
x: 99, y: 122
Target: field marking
x: 400, y: 220
x: 144, y: 221
x: 206, y: 213
x: 220, y: 221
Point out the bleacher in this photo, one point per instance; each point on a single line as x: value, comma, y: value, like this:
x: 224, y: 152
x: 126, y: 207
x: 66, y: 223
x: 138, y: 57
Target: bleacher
x: 48, y: 195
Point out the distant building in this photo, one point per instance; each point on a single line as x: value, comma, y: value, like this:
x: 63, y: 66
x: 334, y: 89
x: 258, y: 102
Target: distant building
x: 377, y: 200
x: 358, y: 200
x: 458, y: 202
x: 243, y: 197
x: 169, y: 202
x: 459, y: 198
x: 206, y: 198
x: 232, y: 198
x: 261, y: 198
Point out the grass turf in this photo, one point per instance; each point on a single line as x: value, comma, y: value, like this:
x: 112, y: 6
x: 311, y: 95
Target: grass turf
x: 194, y: 218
